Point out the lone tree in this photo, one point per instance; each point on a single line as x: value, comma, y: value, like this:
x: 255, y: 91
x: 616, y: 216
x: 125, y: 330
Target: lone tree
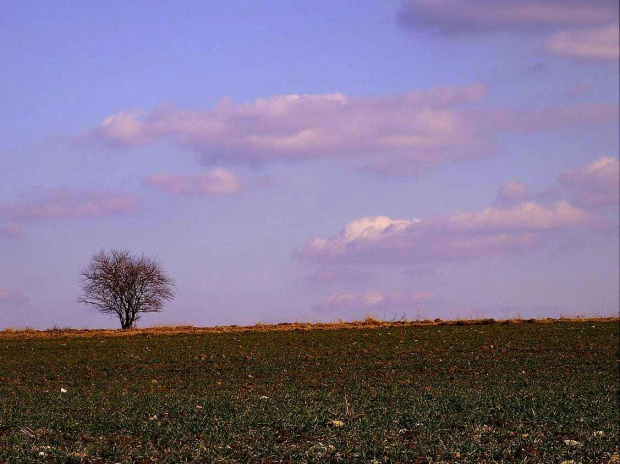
x: 118, y: 283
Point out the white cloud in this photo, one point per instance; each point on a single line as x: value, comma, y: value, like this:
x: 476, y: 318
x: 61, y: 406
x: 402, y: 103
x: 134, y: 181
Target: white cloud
x: 518, y: 221
x: 388, y: 134
x: 440, y: 238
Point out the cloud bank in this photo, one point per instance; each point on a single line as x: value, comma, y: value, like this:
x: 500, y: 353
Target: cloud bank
x: 445, y: 238
x: 517, y: 222
x: 394, y: 134
x: 426, y: 126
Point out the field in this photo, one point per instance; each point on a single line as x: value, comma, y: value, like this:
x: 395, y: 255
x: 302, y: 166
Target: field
x: 421, y: 393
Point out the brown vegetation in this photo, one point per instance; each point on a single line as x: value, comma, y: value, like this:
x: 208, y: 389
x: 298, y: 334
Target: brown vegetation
x: 284, y: 326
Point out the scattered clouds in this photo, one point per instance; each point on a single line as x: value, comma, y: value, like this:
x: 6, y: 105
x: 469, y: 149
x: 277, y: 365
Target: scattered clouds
x: 458, y: 17
x: 393, y: 134
x: 373, y: 300
x: 218, y: 182
x: 66, y: 204
x: 518, y: 221
x: 445, y: 238
x: 599, y: 44
x: 12, y: 297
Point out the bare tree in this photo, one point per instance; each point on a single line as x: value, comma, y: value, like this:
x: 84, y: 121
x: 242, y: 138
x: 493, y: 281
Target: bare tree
x: 118, y: 283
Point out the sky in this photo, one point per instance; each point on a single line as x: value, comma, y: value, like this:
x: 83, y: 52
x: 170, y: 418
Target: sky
x: 312, y: 161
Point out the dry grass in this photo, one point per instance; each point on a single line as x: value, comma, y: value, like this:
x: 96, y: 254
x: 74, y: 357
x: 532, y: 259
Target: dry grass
x: 368, y: 322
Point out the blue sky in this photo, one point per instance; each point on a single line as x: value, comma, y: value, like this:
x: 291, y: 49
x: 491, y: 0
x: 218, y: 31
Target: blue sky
x: 171, y: 130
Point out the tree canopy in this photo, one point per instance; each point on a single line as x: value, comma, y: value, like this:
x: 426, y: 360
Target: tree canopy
x: 119, y: 283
